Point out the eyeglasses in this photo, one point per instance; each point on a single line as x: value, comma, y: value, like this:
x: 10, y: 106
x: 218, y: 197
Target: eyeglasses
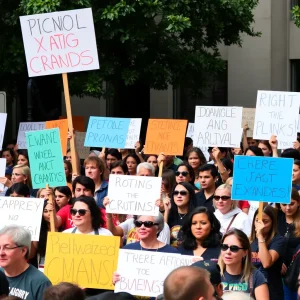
x: 224, y: 198
x: 147, y: 224
x: 182, y: 193
x: 184, y: 173
x: 8, y: 248
x: 81, y: 212
x: 232, y: 248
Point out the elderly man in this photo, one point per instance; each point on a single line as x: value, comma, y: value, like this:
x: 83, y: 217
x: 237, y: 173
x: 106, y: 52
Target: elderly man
x: 25, y: 281
x: 145, y: 169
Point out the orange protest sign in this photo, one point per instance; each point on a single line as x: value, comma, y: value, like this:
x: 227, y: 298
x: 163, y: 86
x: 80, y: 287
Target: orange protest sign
x: 78, y: 123
x: 63, y: 129
x: 165, y: 135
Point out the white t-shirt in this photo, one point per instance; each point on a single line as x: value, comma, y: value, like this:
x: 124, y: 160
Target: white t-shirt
x: 102, y: 231
x: 129, y: 231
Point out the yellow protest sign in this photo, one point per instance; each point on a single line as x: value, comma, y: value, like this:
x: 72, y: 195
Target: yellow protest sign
x: 87, y: 260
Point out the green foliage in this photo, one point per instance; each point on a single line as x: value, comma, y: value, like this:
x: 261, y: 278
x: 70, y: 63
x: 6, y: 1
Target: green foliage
x: 296, y: 15
x: 158, y: 42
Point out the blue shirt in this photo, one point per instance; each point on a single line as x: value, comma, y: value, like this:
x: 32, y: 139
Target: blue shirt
x: 101, y: 193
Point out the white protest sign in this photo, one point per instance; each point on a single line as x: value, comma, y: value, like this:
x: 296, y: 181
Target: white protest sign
x: 25, y: 127
x: 83, y: 152
x: 298, y: 127
x: 143, y: 273
x: 248, y: 118
x: 2, y: 171
x: 277, y: 113
x: 60, y: 42
x: 134, y: 195
x: 190, y: 130
x: 26, y: 212
x: 3, y: 117
x: 217, y: 126
x: 133, y: 134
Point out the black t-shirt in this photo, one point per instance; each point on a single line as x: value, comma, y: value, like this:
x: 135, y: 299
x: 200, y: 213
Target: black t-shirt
x: 175, y: 222
x: 234, y: 283
x: 3, y: 285
x: 209, y: 254
x: 202, y: 201
x: 272, y: 274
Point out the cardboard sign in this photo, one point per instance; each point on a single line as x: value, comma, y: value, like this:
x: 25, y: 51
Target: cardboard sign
x: 264, y: 179
x: 82, y: 151
x: 59, y: 42
x: 26, y: 127
x: 3, y: 117
x: 143, y: 272
x: 46, y: 159
x: 83, y: 259
x: 135, y: 196
x: 164, y: 135
x: 2, y: 171
x: 217, y: 126
x: 26, y: 212
x: 78, y: 122
x: 62, y: 125
x: 190, y: 130
x: 277, y: 113
x: 248, y: 118
x: 112, y: 132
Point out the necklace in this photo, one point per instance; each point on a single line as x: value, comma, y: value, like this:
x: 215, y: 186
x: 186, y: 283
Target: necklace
x: 180, y: 216
x: 145, y: 249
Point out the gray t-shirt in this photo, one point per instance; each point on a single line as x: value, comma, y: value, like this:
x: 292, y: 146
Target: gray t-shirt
x: 29, y: 285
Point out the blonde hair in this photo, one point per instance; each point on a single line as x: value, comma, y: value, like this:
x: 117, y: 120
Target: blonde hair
x: 228, y: 187
x: 26, y: 172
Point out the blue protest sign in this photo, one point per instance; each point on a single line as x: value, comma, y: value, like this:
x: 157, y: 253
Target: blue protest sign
x: 264, y: 179
x: 46, y: 159
x: 107, y: 132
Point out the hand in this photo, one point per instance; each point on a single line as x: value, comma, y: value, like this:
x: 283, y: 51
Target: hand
x: 283, y: 269
x: 48, y: 193
x: 71, y: 135
x: 161, y: 157
x: 74, y: 175
x: 16, y: 147
x: 296, y: 145
x: 259, y: 226
x: 116, y: 277
x: 245, y: 128
x: 50, y: 206
x: 216, y: 153
x: 237, y: 151
x: 137, y: 147
x: 167, y: 204
x: 273, y: 142
x: 5, y: 181
x: 102, y: 155
x: 106, y: 201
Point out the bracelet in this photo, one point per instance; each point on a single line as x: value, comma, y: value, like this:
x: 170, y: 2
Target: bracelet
x: 263, y: 241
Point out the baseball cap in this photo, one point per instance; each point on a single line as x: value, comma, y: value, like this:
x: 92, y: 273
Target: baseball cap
x: 212, y: 267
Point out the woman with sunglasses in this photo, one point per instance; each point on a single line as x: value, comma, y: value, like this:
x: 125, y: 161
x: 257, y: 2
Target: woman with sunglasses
x: 237, y: 271
x: 185, y: 173
x: 267, y: 250
x: 182, y: 202
x: 86, y: 217
x: 227, y: 212
x: 201, y: 234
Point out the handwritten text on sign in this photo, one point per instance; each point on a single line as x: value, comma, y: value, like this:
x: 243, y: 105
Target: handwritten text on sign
x: 248, y: 118
x: 165, y: 136
x: 25, y: 127
x: 46, y: 159
x: 217, y: 126
x: 143, y: 272
x: 26, y: 212
x: 134, y: 195
x: 265, y: 179
x: 277, y: 113
x: 87, y: 260
x: 60, y: 42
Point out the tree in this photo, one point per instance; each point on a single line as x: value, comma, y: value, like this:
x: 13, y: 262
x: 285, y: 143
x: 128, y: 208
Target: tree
x: 154, y: 42
x: 296, y: 15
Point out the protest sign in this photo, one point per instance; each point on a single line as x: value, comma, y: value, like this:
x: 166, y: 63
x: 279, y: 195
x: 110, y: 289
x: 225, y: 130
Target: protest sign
x: 277, y: 114
x: 26, y: 212
x: 135, y: 196
x: 164, y: 135
x: 46, y: 159
x: 143, y: 272
x: 62, y: 125
x: 248, y: 118
x: 3, y: 117
x: 83, y: 259
x: 217, y: 126
x: 265, y: 179
x: 2, y: 171
x: 82, y: 151
x: 26, y: 127
x: 78, y: 123
x: 112, y: 132
x: 190, y: 130
x: 59, y: 42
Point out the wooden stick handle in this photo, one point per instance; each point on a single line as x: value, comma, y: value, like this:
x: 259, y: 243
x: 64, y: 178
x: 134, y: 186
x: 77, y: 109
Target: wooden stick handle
x: 52, y: 222
x: 161, y: 166
x: 70, y: 121
x: 260, y: 210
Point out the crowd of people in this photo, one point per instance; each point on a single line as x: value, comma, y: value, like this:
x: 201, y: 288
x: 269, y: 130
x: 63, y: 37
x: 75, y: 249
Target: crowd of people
x: 237, y: 255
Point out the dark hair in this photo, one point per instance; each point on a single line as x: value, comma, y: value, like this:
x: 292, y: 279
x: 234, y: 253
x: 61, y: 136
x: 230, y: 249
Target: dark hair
x: 210, y: 167
x: 97, y: 218
x: 87, y: 182
x: 169, y: 180
x: 297, y: 162
x: 295, y: 195
x: 228, y: 165
x: 188, y: 142
x: 267, y: 144
x: 213, y: 240
x: 24, y: 152
x: 257, y: 151
x: 64, y: 291
x: 115, y: 153
x: 121, y: 164
x: 291, y: 153
x: 11, y: 152
x: 190, y: 170
x: 20, y: 188
x: 64, y: 190
x: 199, y: 153
x: 69, y: 166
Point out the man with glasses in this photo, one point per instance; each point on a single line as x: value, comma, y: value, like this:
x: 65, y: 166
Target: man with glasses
x: 25, y: 281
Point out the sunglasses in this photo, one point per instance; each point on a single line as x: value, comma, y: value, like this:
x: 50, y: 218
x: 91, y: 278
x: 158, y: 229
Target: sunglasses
x: 81, y: 212
x: 233, y: 248
x: 182, y: 193
x: 147, y: 224
x: 184, y: 173
x: 221, y: 197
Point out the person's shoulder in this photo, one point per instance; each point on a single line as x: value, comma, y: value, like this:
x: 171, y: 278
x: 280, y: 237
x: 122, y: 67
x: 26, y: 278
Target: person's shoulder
x: 278, y: 241
x: 168, y: 249
x: 104, y: 231
x: 68, y: 230
x: 64, y: 209
x: 258, y: 278
x: 133, y: 246
x: 36, y: 275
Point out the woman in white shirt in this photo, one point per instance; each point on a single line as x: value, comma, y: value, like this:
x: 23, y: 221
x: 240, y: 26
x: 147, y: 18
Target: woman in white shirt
x: 227, y: 212
x: 87, y: 218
